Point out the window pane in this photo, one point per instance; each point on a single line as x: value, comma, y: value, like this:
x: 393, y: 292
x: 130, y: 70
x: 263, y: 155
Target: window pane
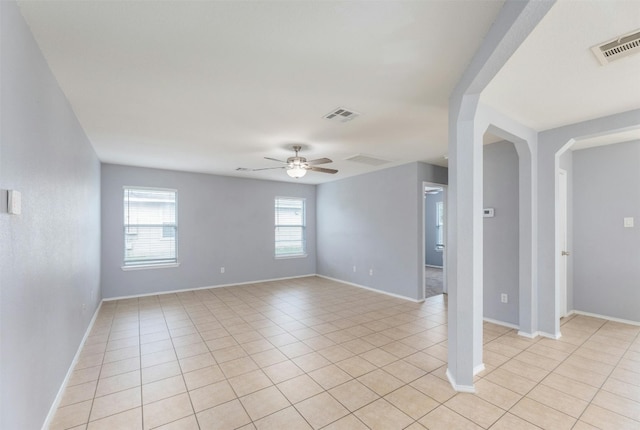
x: 440, y: 223
x: 290, y: 237
x: 150, y: 228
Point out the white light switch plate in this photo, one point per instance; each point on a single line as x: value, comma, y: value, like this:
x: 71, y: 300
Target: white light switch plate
x: 628, y: 222
x: 14, y: 206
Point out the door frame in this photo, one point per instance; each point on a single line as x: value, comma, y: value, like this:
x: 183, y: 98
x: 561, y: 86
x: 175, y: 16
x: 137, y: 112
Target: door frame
x: 444, y: 232
x: 562, y: 243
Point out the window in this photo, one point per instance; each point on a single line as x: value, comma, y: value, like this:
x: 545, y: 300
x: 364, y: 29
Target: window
x: 290, y: 227
x: 150, y: 227
x: 439, y: 226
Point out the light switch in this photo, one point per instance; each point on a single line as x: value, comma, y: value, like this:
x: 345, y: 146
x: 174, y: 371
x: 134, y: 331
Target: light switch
x: 628, y: 222
x: 14, y: 205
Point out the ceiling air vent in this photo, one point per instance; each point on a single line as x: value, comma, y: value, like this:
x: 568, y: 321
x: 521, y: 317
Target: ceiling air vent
x: 342, y: 114
x: 620, y: 47
x: 365, y: 159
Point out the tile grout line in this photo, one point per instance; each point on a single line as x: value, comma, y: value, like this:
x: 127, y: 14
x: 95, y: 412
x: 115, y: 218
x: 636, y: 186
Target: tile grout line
x: 637, y: 336
x: 291, y: 310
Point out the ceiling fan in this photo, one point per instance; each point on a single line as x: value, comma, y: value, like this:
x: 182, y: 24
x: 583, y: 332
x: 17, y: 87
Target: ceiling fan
x: 297, y: 166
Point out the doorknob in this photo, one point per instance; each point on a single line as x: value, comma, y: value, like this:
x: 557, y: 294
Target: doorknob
x: 564, y: 253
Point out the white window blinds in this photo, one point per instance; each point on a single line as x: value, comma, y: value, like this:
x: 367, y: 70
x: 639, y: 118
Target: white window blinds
x: 150, y: 226
x: 290, y: 235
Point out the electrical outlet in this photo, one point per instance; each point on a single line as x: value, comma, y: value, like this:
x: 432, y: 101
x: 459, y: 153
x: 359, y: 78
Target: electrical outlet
x: 222, y: 270
x: 354, y: 269
x: 504, y: 298
x: 370, y: 272
x: 84, y: 307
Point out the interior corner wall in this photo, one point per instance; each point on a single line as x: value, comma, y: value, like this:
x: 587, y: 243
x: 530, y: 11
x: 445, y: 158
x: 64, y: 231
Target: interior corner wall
x: 222, y: 222
x: 373, y: 222
x: 606, y: 255
x: 50, y: 253
x: 501, y: 233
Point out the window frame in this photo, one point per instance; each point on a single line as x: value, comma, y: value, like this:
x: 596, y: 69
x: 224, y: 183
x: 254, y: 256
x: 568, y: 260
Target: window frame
x: 150, y: 264
x: 303, y: 227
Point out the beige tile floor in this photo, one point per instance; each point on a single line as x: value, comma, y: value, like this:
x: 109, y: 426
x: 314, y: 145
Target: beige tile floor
x: 312, y: 353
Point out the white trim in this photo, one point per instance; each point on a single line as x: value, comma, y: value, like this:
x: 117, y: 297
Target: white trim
x: 435, y: 267
x: 459, y: 388
x: 549, y: 335
x: 502, y: 323
x: 540, y: 333
x: 479, y: 368
x: 288, y: 257
x: 158, y: 293
x: 135, y: 187
x: 65, y: 381
x: 528, y: 335
x: 604, y: 317
x: 397, y: 296
x: 150, y: 266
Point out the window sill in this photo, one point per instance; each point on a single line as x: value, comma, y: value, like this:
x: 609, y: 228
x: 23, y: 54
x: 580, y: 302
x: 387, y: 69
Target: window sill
x: 150, y: 266
x: 287, y: 257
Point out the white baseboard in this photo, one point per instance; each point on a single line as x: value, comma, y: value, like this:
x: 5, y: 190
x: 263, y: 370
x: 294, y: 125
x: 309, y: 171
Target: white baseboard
x: 528, y: 335
x: 186, y: 290
x: 65, y: 381
x: 397, y: 296
x: 502, y: 323
x: 540, y: 333
x: 605, y: 317
x: 459, y: 388
x: 550, y: 335
x: 479, y: 368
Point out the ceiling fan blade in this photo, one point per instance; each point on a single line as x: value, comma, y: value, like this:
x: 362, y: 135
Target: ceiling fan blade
x: 245, y: 169
x: 322, y: 170
x: 319, y: 161
x: 268, y: 168
x: 275, y: 159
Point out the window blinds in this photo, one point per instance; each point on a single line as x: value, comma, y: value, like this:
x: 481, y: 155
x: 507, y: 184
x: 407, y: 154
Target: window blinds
x: 150, y: 226
x: 290, y: 235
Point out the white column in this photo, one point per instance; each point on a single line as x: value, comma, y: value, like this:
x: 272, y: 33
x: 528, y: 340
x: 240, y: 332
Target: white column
x: 464, y: 255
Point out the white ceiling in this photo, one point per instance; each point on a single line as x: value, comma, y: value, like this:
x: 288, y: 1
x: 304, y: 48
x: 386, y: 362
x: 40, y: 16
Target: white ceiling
x: 554, y: 79
x: 210, y: 86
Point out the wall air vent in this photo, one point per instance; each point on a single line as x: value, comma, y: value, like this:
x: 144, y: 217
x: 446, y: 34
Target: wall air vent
x: 342, y: 114
x: 365, y: 159
x: 620, y: 47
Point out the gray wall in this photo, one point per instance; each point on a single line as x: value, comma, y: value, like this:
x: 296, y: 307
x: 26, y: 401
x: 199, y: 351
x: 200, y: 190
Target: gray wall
x: 374, y: 221
x: 50, y: 254
x: 501, y: 233
x: 432, y: 257
x: 550, y: 143
x: 222, y: 222
x: 606, y: 255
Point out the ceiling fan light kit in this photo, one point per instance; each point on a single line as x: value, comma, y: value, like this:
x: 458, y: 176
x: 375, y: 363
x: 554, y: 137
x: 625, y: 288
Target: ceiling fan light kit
x: 296, y: 171
x: 297, y: 166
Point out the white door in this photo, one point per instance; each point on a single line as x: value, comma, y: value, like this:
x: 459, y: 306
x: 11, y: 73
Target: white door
x: 562, y: 243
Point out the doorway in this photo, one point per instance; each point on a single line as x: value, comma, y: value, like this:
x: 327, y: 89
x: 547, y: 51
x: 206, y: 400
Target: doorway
x: 434, y: 219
